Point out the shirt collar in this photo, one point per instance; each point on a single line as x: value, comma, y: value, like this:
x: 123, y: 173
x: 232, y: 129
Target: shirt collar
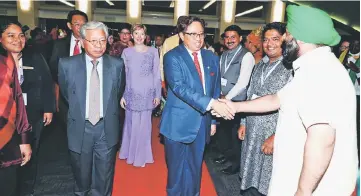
x: 190, y: 52
x: 89, y: 59
x: 309, y: 56
x: 73, y: 39
x: 265, y: 59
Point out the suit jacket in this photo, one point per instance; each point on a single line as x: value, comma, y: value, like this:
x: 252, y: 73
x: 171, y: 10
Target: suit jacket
x: 38, y: 85
x: 72, y: 83
x: 61, y: 49
x: 186, y: 104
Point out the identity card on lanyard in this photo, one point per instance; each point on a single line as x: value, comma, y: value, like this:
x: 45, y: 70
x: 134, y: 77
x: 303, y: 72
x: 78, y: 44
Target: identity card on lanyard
x: 230, y: 62
x: 269, y: 72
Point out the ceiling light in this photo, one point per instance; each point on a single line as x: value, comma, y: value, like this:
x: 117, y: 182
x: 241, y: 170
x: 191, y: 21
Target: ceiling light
x: 208, y: 4
x: 339, y: 20
x: 200, y: 10
x: 67, y: 3
x: 171, y: 4
x: 109, y: 2
x: 249, y: 11
x: 25, y: 5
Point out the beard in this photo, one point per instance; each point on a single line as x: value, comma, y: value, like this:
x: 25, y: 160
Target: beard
x: 290, y: 51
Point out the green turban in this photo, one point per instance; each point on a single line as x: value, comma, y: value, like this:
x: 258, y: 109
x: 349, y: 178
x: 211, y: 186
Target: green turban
x: 311, y: 25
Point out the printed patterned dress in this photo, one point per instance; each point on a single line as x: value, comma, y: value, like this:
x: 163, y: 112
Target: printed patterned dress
x: 256, y: 167
x: 143, y: 85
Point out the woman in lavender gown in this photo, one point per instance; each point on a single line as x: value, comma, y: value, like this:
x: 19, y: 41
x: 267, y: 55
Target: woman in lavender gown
x: 142, y: 94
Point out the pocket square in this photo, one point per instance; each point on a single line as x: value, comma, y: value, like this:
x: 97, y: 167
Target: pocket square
x: 28, y: 67
x: 212, y: 73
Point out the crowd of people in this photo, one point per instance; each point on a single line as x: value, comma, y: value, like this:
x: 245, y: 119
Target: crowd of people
x: 278, y: 104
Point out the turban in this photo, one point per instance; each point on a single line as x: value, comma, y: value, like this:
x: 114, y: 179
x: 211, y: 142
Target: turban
x: 255, y: 36
x: 311, y: 25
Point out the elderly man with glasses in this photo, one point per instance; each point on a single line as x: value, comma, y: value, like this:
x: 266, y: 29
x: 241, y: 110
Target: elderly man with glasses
x: 92, y: 84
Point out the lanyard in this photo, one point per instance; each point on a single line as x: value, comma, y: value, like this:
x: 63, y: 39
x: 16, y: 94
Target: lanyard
x: 269, y: 72
x: 230, y: 62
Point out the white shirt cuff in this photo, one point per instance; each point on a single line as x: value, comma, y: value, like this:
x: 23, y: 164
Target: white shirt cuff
x: 209, y: 107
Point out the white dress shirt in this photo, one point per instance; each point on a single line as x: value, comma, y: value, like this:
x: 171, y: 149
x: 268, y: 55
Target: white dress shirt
x: 89, y: 67
x: 72, y: 45
x: 21, y: 71
x: 199, y: 55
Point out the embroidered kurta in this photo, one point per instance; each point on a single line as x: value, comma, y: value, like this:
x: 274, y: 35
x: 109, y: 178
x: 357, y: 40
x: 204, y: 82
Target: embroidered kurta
x: 256, y: 167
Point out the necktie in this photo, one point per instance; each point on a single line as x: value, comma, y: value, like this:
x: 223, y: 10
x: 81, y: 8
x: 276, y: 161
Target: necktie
x: 94, y: 92
x: 198, y: 67
x: 76, y: 48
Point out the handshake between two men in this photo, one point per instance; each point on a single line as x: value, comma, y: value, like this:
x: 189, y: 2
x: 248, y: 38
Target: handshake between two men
x: 224, y: 108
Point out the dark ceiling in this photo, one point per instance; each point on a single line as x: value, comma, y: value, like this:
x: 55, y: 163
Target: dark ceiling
x: 194, y: 7
x: 346, y: 11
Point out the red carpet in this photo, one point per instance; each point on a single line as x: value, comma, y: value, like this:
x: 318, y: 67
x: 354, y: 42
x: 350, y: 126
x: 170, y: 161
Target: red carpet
x: 152, y: 179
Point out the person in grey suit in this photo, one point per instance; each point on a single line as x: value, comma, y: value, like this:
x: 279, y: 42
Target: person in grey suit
x: 92, y: 84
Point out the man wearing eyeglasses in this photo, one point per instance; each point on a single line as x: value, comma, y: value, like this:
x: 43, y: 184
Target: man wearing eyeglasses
x: 124, y: 35
x: 236, y: 66
x: 66, y: 47
x: 193, y: 78
x: 70, y: 45
x: 92, y: 84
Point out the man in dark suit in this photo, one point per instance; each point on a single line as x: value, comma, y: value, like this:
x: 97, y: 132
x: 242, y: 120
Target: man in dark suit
x: 39, y: 96
x: 70, y: 45
x: 92, y: 84
x: 194, y: 83
x: 66, y: 47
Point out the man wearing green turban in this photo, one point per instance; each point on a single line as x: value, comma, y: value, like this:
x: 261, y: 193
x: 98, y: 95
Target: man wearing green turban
x: 315, y: 149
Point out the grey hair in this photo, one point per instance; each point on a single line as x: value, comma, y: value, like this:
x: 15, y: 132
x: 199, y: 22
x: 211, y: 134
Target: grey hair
x: 93, y: 25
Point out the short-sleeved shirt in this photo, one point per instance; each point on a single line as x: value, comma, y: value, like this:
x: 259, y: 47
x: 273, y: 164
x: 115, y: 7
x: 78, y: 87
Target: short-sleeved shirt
x: 320, y: 92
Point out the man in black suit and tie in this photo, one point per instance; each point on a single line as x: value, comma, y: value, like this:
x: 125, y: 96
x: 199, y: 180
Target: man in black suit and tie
x: 92, y: 84
x: 38, y: 90
x: 68, y: 46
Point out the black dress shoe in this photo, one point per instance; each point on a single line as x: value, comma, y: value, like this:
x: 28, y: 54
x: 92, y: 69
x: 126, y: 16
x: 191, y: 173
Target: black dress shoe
x: 230, y: 171
x: 220, y: 160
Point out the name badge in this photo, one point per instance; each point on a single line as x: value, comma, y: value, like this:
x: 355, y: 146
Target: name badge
x: 254, y: 96
x: 28, y: 67
x: 223, y: 82
x: 25, y: 97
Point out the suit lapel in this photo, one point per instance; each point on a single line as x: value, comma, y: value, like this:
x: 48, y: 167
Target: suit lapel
x: 27, y: 64
x: 189, y: 62
x: 68, y: 47
x: 107, y: 82
x: 80, y: 82
x: 206, y: 68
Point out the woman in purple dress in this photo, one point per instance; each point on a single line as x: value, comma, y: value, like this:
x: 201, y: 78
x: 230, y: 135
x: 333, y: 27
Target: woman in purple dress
x: 142, y: 94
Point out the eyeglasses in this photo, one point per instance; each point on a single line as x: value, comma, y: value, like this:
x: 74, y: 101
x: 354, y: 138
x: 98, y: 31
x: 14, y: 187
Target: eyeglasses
x: 124, y: 33
x: 195, y: 35
x: 77, y: 25
x: 101, y: 42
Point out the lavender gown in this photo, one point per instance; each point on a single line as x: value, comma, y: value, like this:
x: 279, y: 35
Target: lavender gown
x: 143, y: 84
